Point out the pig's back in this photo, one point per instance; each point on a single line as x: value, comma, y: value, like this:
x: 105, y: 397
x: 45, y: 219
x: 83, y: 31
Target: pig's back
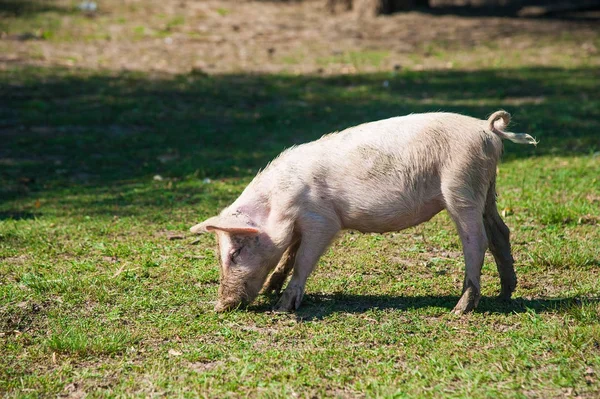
x: 386, y: 175
x: 397, y: 132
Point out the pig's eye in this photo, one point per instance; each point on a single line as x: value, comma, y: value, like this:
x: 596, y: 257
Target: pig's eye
x: 233, y: 256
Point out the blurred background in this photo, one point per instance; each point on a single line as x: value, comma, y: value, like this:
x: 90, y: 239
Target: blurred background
x: 100, y: 92
x: 311, y: 36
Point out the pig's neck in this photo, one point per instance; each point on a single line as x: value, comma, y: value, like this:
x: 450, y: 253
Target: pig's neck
x: 267, y: 193
x: 254, y: 203
x: 268, y: 184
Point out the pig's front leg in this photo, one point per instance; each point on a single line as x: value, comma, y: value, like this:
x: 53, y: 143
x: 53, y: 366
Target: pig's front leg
x: 282, y: 270
x: 314, y: 241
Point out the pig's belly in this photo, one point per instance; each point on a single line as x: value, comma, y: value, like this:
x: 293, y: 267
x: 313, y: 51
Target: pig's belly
x: 383, y: 219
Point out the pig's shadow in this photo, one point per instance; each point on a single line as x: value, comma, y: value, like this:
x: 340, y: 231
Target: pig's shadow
x: 319, y: 306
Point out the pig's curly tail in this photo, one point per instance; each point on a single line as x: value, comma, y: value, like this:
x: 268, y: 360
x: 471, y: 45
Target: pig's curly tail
x: 499, y: 120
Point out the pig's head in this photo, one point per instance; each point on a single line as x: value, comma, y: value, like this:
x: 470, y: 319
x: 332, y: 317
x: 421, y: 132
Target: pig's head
x: 247, y: 253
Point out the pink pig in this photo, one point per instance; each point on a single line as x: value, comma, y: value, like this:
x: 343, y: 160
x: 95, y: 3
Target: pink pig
x: 381, y: 176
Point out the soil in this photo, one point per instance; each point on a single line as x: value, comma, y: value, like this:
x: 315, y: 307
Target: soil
x: 295, y: 37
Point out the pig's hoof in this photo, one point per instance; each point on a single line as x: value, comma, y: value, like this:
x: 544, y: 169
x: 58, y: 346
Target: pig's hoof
x: 504, y: 297
x: 290, y: 300
x: 507, y: 288
x: 468, y: 301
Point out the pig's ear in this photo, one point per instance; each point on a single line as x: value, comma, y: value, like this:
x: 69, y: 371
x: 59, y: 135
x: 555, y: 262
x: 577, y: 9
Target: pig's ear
x: 230, y: 225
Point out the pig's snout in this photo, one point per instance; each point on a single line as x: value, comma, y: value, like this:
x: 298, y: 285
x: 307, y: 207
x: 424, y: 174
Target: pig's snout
x: 231, y: 296
x: 230, y: 303
x: 236, y: 289
x: 224, y: 306
x: 228, y: 300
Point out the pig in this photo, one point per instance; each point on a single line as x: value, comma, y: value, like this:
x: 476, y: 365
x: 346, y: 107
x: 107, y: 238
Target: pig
x: 377, y: 177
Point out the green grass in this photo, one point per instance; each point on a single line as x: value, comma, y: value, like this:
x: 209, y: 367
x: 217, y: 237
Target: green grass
x: 104, y: 292
x: 356, y: 59
x: 93, y: 289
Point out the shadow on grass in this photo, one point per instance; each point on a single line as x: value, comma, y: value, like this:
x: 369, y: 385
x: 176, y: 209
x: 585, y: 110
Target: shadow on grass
x: 319, y: 306
x: 104, y: 132
x: 16, y: 215
x: 21, y: 8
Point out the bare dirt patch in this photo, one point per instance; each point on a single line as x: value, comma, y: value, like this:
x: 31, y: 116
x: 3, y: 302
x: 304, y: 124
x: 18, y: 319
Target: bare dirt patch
x: 22, y: 317
x: 297, y: 37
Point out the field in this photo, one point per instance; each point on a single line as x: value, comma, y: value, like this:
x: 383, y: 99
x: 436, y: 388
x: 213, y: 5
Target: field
x: 122, y: 128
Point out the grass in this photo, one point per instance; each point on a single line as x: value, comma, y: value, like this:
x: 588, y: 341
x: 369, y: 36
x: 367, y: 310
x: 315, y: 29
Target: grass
x: 92, y: 280
x: 103, y: 292
x: 357, y: 59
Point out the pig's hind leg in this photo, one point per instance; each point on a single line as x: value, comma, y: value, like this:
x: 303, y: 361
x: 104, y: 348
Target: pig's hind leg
x: 466, y: 213
x: 499, y: 240
x: 282, y: 270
